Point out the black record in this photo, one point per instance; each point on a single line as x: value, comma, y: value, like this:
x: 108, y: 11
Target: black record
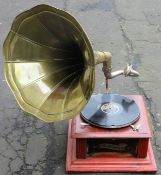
x: 110, y: 111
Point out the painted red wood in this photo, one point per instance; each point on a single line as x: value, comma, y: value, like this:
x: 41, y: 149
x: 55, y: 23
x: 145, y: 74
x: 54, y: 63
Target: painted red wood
x: 81, y: 148
x: 105, y: 163
x: 79, y: 131
x: 77, y: 134
x: 142, y: 148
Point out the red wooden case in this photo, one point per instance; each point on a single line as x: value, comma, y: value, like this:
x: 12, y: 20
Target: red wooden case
x: 79, y: 160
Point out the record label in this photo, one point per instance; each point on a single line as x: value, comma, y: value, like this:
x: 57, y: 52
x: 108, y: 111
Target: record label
x: 110, y: 107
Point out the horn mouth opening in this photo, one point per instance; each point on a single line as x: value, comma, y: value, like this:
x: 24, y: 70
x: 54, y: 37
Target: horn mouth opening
x: 49, y: 63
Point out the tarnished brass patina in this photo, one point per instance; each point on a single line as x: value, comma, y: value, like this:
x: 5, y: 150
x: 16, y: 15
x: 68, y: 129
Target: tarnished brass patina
x: 50, y: 64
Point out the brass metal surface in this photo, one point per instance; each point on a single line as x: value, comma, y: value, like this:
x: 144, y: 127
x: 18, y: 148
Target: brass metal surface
x: 49, y: 63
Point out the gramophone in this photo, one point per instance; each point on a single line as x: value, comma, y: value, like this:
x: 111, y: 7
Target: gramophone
x: 50, y: 68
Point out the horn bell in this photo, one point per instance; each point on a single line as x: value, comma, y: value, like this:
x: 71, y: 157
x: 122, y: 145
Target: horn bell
x: 49, y: 63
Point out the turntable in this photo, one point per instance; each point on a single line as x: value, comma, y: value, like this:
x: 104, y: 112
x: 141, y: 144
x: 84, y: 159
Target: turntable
x: 110, y: 111
x: 50, y: 68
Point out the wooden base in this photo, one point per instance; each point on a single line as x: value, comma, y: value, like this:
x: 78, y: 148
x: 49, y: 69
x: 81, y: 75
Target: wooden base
x: 80, y: 159
x: 107, y: 163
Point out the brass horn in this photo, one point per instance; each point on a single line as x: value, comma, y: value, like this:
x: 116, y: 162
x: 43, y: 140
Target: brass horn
x: 50, y: 64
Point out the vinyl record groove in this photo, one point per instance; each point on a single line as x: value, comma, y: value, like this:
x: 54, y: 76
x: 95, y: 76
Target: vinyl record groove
x: 110, y: 111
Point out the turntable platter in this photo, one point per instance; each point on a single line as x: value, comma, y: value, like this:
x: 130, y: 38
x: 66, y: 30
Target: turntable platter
x: 110, y: 111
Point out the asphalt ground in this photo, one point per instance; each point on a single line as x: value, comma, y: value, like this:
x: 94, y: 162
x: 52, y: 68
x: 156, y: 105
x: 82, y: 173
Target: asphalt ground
x: 131, y: 31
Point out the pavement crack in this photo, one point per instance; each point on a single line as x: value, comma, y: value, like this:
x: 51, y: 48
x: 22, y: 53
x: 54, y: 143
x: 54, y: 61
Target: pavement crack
x: 151, y: 42
x: 132, y: 59
x: 129, y: 44
x: 150, y: 103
